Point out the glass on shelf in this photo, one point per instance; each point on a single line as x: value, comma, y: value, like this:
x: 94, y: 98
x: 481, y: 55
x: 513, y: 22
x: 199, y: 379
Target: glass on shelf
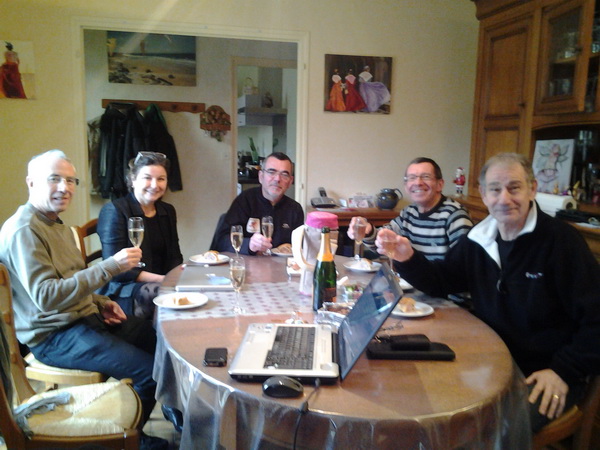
x: 562, y: 56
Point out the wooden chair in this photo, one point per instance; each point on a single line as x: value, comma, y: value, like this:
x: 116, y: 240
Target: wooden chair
x: 86, y: 230
x: 54, y: 376
x: 102, y: 414
x: 578, y: 422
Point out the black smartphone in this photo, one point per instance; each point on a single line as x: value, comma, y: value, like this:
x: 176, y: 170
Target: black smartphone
x: 215, y: 357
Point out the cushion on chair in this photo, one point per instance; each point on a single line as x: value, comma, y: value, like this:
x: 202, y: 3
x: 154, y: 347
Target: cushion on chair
x: 39, y: 367
x: 92, y: 411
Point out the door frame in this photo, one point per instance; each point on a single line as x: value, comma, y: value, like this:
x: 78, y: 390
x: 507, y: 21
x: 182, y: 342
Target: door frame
x: 79, y: 24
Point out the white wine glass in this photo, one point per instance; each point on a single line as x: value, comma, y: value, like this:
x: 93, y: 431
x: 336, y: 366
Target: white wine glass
x: 266, y: 225
x: 135, y: 228
x: 237, y: 237
x: 237, y: 273
x: 359, y: 228
x: 388, y: 241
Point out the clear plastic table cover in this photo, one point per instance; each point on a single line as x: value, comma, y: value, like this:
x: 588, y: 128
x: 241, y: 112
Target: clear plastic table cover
x: 217, y: 415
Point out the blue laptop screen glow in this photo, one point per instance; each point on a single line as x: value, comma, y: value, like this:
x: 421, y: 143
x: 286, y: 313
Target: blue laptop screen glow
x: 366, y: 317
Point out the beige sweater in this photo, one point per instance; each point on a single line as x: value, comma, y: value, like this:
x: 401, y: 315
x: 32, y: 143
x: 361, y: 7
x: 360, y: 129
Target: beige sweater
x: 51, y: 285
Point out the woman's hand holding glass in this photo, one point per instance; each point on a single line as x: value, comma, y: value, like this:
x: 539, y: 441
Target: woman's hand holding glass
x: 135, y: 228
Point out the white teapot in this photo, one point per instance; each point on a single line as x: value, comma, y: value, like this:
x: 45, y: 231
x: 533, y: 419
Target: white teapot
x: 306, y: 241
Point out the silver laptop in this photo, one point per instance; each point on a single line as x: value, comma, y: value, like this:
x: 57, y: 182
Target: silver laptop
x: 199, y: 278
x: 333, y: 354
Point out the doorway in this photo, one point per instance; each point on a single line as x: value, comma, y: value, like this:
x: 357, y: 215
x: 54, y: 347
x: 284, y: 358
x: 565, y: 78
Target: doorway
x: 265, y: 92
x: 211, y: 178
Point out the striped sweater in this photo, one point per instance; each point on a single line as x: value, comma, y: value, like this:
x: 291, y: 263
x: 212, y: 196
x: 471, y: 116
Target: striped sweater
x: 432, y: 232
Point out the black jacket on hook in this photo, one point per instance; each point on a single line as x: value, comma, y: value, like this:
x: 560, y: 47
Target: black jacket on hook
x: 159, y: 140
x: 122, y: 137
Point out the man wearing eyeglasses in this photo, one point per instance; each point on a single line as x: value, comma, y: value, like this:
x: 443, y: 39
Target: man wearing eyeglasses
x: 532, y: 278
x: 432, y: 223
x: 57, y: 314
x: 248, y: 208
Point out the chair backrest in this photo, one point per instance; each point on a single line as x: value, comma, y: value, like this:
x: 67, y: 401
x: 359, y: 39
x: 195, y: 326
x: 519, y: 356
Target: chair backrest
x: 17, y: 367
x: 214, y: 245
x: 85, y: 231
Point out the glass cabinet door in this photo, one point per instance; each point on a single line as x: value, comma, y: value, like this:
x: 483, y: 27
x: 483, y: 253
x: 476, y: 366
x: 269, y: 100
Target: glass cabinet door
x: 566, y: 41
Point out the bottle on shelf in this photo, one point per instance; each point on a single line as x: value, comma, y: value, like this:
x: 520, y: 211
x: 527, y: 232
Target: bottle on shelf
x: 325, y: 277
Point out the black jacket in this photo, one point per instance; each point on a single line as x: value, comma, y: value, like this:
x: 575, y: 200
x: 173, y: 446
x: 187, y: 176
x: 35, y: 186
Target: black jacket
x: 122, y: 136
x: 112, y: 229
x: 159, y: 140
x: 124, y: 133
x: 545, y: 302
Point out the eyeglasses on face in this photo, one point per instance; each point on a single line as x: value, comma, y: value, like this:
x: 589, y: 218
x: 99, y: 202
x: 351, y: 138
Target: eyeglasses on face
x: 69, y: 181
x: 424, y: 177
x: 284, y: 174
x: 159, y: 157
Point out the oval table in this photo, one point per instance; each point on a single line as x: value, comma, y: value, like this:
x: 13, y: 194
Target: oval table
x: 476, y: 401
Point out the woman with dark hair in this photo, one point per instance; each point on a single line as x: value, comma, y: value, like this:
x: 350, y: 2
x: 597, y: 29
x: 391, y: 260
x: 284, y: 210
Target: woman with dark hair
x: 134, y: 290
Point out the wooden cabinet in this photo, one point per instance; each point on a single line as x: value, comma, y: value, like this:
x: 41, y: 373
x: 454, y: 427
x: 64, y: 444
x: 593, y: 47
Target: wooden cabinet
x: 565, y: 50
x: 504, y: 85
x: 537, y: 78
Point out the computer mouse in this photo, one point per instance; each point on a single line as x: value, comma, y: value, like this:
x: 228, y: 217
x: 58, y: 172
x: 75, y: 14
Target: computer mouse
x: 282, y: 387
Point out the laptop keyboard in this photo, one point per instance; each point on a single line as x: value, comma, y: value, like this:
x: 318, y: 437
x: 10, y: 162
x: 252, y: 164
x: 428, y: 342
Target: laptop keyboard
x: 292, y: 349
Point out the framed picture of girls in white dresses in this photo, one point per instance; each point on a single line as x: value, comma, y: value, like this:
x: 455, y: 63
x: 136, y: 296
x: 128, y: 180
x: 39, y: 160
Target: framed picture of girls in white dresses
x: 358, y: 84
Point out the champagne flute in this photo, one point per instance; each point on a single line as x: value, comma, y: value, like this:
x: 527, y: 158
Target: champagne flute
x: 135, y: 227
x: 267, y: 230
x: 388, y: 241
x: 237, y: 237
x: 359, y: 228
x: 237, y: 273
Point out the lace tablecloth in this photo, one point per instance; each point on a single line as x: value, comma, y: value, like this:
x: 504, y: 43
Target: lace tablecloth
x: 265, y: 298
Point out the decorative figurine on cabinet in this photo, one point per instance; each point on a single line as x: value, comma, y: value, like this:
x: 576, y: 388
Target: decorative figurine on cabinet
x: 459, y: 181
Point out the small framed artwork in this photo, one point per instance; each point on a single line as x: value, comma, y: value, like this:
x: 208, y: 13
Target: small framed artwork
x: 17, y: 73
x: 151, y: 59
x: 552, y: 163
x: 358, y: 84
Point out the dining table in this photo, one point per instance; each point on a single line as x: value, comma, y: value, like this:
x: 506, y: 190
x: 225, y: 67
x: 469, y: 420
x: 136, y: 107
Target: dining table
x: 478, y: 400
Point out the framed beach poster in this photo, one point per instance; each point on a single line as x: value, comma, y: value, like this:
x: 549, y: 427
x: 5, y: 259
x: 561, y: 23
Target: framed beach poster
x: 151, y: 59
x: 358, y: 84
x: 552, y: 163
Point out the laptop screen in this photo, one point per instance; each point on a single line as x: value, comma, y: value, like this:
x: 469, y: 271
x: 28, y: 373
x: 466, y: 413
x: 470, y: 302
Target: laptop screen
x: 366, y: 317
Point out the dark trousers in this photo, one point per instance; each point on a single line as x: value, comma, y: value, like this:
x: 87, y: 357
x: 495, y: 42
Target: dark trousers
x: 120, y: 351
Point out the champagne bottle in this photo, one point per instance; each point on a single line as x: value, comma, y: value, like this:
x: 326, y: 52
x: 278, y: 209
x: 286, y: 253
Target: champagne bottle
x: 324, y: 282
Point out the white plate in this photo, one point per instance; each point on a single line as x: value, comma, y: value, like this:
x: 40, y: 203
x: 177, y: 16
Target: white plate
x: 405, y: 285
x: 199, y: 259
x: 353, y: 265
x: 195, y: 298
x: 422, y: 310
x: 276, y: 252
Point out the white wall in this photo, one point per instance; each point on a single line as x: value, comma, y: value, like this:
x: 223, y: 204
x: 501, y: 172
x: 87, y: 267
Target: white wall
x: 432, y: 43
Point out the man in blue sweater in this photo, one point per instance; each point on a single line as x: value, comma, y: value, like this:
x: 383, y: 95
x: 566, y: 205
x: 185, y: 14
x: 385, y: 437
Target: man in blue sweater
x: 532, y: 279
